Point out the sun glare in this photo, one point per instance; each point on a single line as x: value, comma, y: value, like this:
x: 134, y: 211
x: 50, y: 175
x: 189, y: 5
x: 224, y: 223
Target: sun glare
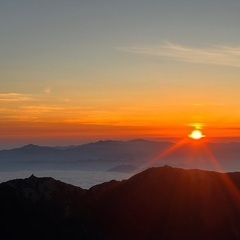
x: 196, y: 135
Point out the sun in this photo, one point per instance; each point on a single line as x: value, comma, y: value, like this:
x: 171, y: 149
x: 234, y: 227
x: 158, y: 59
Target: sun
x: 196, y: 134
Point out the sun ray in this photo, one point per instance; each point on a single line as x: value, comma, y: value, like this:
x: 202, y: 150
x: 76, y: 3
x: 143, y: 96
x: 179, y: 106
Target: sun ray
x: 226, y: 180
x: 198, y: 151
x: 166, y: 153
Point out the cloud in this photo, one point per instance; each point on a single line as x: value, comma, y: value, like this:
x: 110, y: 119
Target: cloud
x: 214, y: 55
x: 41, y: 108
x: 13, y: 97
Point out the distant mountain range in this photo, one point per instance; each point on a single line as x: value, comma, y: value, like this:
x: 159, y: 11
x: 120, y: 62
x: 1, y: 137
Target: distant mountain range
x: 140, y: 154
x: 159, y: 203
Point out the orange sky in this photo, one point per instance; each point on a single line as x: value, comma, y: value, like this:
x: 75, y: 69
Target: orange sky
x: 45, y: 133
x: 125, y: 69
x: 49, y: 118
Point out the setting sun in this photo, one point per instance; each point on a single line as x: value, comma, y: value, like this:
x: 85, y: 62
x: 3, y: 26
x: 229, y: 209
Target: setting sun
x: 196, y: 134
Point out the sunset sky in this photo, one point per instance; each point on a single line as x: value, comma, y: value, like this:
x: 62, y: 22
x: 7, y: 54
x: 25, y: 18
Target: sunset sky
x: 76, y: 71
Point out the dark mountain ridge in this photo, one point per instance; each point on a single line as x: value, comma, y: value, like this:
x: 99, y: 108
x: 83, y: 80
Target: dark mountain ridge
x: 158, y: 203
x: 140, y: 153
x: 99, y: 155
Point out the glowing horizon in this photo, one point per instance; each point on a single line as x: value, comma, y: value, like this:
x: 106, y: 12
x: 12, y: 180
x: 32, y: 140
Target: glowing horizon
x: 122, y: 70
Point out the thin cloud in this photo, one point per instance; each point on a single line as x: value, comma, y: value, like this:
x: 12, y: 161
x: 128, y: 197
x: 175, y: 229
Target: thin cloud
x: 13, y: 97
x: 214, y: 55
x: 42, y: 108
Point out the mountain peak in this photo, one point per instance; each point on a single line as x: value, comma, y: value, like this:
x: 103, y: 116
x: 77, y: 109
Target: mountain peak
x: 32, y: 177
x: 31, y: 146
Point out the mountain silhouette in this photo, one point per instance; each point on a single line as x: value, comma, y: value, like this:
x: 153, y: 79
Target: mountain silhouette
x: 141, y: 154
x: 158, y: 203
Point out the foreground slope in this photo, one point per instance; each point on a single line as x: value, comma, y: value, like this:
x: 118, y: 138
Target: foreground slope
x: 159, y: 203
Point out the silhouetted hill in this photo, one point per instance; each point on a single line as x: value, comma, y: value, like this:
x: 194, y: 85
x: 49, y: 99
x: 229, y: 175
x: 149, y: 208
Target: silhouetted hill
x: 134, y: 150
x: 30, y: 152
x: 99, y: 155
x: 159, y: 203
x: 168, y: 203
x: 104, y: 155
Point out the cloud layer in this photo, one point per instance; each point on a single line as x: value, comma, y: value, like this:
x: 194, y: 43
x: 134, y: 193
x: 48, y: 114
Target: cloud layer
x: 13, y: 97
x: 215, y: 55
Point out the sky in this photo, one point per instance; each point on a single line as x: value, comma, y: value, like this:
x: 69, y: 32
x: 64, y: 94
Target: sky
x: 76, y: 71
